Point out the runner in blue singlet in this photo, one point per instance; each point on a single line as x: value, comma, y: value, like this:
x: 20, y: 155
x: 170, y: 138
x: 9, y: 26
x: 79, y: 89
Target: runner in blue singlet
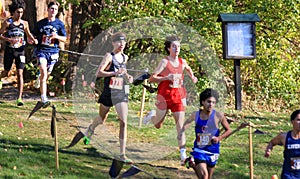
x: 291, y: 142
x: 207, y: 143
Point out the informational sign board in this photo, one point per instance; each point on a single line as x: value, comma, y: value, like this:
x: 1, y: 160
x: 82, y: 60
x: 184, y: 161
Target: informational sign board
x: 240, y: 40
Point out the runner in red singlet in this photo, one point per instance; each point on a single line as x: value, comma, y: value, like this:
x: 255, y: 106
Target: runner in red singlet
x: 171, y: 92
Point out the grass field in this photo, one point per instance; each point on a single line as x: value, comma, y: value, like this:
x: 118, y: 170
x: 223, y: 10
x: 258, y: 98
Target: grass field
x: 28, y: 152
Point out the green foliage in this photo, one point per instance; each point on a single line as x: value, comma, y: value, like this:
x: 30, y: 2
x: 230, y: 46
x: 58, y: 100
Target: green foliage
x: 272, y: 75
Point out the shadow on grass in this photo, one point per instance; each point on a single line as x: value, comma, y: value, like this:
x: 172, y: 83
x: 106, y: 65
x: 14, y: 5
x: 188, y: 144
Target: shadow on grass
x: 29, y: 155
x: 255, y: 117
x: 37, y: 147
x: 91, y: 154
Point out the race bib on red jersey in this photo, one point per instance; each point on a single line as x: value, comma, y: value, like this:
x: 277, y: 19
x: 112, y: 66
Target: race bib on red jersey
x: 177, y: 82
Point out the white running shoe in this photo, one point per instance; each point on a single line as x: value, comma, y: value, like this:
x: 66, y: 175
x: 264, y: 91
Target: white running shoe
x: 37, y: 82
x: 183, y: 156
x: 147, y: 118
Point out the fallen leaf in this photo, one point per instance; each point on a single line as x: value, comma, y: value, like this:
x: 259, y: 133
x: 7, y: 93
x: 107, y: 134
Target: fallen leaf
x: 236, y: 165
x: 273, y: 122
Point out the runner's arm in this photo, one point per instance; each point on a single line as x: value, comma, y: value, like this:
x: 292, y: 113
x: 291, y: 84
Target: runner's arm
x: 107, y: 59
x: 225, y: 125
x: 189, y: 71
x: 59, y: 37
x: 129, y: 77
x: 3, y: 30
x: 31, y: 39
x: 155, y: 76
x: 278, y: 140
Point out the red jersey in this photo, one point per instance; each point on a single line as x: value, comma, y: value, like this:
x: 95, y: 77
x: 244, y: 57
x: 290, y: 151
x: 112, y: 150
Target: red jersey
x: 172, y: 90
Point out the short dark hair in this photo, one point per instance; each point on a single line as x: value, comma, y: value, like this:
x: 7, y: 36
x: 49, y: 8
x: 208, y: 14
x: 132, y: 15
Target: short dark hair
x: 294, y: 114
x: 51, y: 3
x: 168, y: 42
x: 16, y: 4
x: 207, y: 93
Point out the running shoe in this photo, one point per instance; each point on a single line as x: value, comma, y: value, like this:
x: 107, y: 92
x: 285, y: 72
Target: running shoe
x: 183, y: 156
x: 188, y: 161
x: 147, y: 118
x: 20, y: 102
x: 86, y: 140
x: 126, y: 160
x: 87, y: 136
x: 46, y: 103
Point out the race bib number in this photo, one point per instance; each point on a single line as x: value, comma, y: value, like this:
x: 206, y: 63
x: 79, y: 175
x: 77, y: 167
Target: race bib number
x: 183, y: 100
x: 176, y: 81
x: 17, y: 42
x: 214, y: 157
x: 22, y: 59
x: 126, y: 89
x: 116, y: 83
x: 295, y: 163
x: 203, y: 139
x: 55, y: 56
x: 46, y: 40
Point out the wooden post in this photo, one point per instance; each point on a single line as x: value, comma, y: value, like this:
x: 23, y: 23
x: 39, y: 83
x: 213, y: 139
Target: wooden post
x: 142, y: 104
x: 55, y: 142
x: 250, y: 151
x: 238, y: 86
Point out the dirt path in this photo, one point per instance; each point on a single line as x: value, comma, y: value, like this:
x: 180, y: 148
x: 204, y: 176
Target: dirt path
x: 9, y: 92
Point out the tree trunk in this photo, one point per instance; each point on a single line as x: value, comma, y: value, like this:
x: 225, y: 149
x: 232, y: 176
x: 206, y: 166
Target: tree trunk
x: 80, y: 37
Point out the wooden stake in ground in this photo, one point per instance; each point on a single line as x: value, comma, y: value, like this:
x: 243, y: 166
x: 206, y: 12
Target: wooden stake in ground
x: 142, y: 104
x: 55, y: 136
x: 250, y: 151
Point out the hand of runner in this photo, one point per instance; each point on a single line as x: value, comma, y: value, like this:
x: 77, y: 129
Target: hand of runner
x: 13, y: 40
x: 194, y: 79
x: 54, y: 35
x: 215, y: 139
x: 4, y: 14
x: 268, y: 153
x: 32, y: 41
x: 130, y: 78
x: 170, y: 77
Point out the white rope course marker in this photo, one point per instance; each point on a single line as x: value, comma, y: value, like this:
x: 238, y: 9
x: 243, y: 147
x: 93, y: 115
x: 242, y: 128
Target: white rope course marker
x: 82, y: 54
